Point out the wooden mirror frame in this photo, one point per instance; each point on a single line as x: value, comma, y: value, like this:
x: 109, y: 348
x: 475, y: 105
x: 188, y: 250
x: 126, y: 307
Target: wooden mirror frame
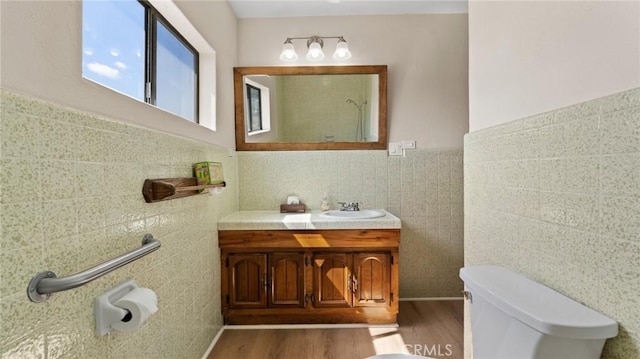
x: 242, y: 145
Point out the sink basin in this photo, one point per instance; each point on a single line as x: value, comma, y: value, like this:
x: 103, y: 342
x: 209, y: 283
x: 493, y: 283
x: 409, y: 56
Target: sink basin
x: 364, y: 214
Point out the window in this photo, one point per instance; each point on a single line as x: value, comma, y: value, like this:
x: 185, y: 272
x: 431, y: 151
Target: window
x: 255, y: 109
x: 257, y: 106
x: 130, y: 47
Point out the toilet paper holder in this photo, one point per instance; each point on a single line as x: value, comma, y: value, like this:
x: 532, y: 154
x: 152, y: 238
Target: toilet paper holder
x: 106, y: 313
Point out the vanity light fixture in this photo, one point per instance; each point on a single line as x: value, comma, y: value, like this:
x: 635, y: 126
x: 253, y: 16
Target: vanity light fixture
x: 314, y: 45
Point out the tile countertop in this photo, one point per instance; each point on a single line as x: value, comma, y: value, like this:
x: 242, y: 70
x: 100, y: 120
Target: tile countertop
x: 265, y: 220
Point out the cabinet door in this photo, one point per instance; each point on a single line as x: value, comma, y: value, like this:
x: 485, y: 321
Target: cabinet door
x: 332, y: 280
x: 247, y: 280
x: 371, y: 280
x: 286, y: 280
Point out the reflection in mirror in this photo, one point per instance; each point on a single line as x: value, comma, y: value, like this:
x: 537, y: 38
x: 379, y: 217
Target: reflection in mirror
x: 314, y: 108
x: 302, y: 108
x: 257, y: 107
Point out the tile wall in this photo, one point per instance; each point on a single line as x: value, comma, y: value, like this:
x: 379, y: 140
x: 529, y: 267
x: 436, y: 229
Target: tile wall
x: 313, y: 107
x: 557, y: 198
x: 423, y: 189
x: 71, y: 198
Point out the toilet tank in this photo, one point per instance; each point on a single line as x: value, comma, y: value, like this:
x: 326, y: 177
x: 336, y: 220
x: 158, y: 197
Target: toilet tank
x: 507, y: 308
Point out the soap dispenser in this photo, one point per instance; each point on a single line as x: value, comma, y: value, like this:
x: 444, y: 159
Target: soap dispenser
x: 324, y: 205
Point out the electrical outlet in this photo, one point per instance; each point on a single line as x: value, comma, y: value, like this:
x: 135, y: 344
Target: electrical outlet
x: 395, y: 149
x: 409, y: 145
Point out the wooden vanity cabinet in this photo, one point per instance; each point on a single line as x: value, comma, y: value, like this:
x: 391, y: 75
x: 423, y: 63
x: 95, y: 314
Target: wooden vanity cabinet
x: 319, y: 276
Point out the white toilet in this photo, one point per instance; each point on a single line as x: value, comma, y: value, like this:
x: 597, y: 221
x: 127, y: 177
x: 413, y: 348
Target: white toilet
x: 513, y: 317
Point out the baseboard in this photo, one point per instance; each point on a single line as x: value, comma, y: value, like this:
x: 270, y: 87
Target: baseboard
x: 308, y: 326
x: 213, y: 343
x: 429, y: 299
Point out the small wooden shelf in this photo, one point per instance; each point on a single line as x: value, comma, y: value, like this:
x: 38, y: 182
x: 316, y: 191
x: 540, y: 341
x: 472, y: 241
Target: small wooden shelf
x: 163, y: 189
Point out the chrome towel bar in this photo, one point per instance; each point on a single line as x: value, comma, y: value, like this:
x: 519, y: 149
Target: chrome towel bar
x: 43, y: 284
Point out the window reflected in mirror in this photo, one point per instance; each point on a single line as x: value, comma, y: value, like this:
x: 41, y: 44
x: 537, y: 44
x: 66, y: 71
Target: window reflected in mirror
x: 254, y: 113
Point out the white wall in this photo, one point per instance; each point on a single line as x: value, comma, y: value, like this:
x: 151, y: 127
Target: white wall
x: 528, y: 57
x: 41, y: 57
x: 426, y: 55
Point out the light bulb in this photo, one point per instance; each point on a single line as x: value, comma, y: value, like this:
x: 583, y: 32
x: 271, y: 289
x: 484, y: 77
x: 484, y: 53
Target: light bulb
x: 342, y: 50
x: 288, y: 52
x: 315, y: 52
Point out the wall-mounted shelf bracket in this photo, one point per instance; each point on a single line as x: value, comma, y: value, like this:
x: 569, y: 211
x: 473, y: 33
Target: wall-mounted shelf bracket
x: 164, y: 189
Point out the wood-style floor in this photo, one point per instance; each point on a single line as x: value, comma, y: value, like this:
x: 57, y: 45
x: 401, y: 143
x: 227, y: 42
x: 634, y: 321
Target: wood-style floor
x: 426, y: 328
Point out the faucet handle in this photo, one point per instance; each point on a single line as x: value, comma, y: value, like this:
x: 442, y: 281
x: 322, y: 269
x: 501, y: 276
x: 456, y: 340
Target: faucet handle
x: 351, y: 206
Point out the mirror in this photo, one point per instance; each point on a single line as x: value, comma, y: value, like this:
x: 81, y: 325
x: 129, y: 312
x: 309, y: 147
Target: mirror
x: 311, y: 108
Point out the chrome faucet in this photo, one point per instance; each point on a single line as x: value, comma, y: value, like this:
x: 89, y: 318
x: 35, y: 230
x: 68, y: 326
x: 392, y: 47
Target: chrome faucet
x: 352, y: 206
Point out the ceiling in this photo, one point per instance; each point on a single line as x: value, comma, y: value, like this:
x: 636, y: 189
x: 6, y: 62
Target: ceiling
x: 293, y: 8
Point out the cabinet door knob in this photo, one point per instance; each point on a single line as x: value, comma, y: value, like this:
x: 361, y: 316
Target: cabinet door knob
x: 310, y: 297
x: 355, y: 283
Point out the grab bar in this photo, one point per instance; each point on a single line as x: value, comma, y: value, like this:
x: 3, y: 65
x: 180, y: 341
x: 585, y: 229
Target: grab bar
x: 43, y: 284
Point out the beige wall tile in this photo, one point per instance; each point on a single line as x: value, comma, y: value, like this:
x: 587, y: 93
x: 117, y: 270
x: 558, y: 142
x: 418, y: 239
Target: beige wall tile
x: 71, y: 198
x: 20, y: 135
x: 57, y: 140
x: 552, y: 142
x: 620, y: 132
x: 582, y: 174
x: 621, y: 174
x: 620, y: 217
x: 582, y: 137
x: 22, y: 225
x: 619, y: 282
x: 15, y: 175
x: 56, y: 179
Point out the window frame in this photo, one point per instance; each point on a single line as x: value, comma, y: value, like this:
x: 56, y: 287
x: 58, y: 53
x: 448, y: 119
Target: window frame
x: 153, y: 18
x: 265, y: 106
x: 207, y: 76
x: 251, y: 91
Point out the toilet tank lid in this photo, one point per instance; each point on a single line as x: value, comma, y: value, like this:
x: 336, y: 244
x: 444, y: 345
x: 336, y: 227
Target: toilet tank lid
x: 536, y: 305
